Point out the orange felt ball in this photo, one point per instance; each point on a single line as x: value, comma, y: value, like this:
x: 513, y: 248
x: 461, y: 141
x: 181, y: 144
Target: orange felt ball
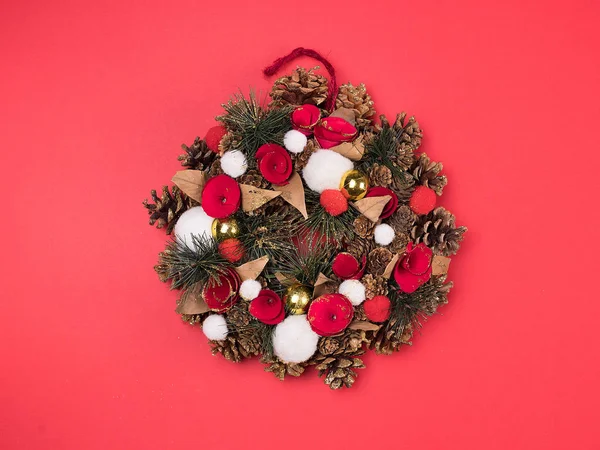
x: 422, y: 200
x: 232, y: 250
x: 213, y: 137
x: 334, y: 202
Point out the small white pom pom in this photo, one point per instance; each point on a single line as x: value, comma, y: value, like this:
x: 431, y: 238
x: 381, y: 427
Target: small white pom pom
x: 234, y: 163
x: 193, y: 222
x: 324, y: 170
x: 354, y: 290
x: 215, y: 327
x: 249, y: 289
x: 293, y: 340
x: 384, y: 234
x: 294, y: 141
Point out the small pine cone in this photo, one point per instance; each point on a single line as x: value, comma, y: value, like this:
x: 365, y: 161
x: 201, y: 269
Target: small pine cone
x: 404, y: 157
x: 228, y: 142
x: 380, y: 175
x: 163, y: 270
x: 328, y: 345
x: 194, y: 319
x: 387, y: 340
x: 399, y: 243
x: 198, y: 156
x: 253, y: 178
x: 301, y: 159
x: 358, y: 100
x: 402, y: 220
x: 374, y: 285
x: 228, y: 347
x: 403, y: 187
x: 239, y: 316
x: 378, y: 260
x: 280, y: 369
x: 249, y: 343
x: 215, y: 169
x: 339, y: 371
x: 302, y: 87
x: 438, y: 231
x: 165, y: 210
x: 359, y: 247
x: 409, y: 133
x: 426, y: 173
x: 359, y: 313
x: 364, y: 227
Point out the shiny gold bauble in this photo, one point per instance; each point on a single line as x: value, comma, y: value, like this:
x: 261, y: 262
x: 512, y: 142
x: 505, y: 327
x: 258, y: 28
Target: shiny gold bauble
x: 354, y: 184
x: 297, y: 297
x: 224, y: 229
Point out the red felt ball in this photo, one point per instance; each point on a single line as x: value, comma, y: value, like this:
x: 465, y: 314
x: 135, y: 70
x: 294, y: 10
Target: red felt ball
x: 422, y: 200
x: 334, y: 202
x: 213, y: 137
x: 232, y: 250
x: 377, y: 309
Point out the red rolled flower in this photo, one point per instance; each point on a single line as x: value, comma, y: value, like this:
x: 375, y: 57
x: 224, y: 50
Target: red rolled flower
x: 347, y: 267
x: 274, y: 163
x: 221, y: 196
x: 221, y: 293
x: 332, y: 131
x: 267, y: 307
x: 330, y: 314
x: 391, y: 206
x: 305, y: 117
x: 414, y: 269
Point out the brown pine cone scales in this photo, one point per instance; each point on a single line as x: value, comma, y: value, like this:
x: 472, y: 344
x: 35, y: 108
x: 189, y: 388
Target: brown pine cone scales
x: 359, y: 247
x: 358, y: 100
x: 439, y: 231
x: 300, y: 159
x: 426, y: 173
x: 380, y: 175
x: 340, y: 372
x: 364, y: 227
x: 198, y: 156
x: 167, y: 208
x: 280, y: 369
x: 229, y: 348
x: 410, y: 134
x: 399, y: 243
x: 374, y: 285
x: 378, y: 259
x: 300, y: 88
x: 253, y: 178
x: 402, y: 220
x: 387, y: 340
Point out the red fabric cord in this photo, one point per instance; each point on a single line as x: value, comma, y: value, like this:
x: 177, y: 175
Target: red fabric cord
x: 300, y: 51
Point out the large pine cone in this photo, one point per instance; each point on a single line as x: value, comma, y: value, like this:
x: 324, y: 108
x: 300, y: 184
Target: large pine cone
x: 165, y: 210
x: 409, y: 133
x: 438, y: 231
x: 426, y: 173
x: 198, y: 156
x: 378, y: 260
x: 380, y: 175
x: 359, y: 247
x: 402, y: 220
x: 229, y: 348
x: 374, y: 285
x: 340, y: 371
x: 300, y: 88
x: 358, y: 100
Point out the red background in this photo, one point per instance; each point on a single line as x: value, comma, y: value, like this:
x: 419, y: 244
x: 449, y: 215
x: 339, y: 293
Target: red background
x: 95, y: 100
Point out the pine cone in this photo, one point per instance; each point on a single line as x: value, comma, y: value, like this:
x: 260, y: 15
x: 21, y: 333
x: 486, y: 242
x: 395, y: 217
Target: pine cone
x: 302, y: 87
x: 281, y: 369
x: 359, y: 313
x: 404, y: 157
x: 359, y: 247
x: 358, y: 100
x: 194, y: 319
x: 253, y: 178
x: 378, y: 260
x: 301, y: 159
x: 426, y: 173
x: 161, y: 268
x: 403, y: 187
x: 198, y: 156
x: 229, y: 142
x: 249, y: 343
x: 402, y: 220
x: 168, y: 208
x: 387, y: 340
x: 229, y: 348
x: 399, y: 243
x: 374, y: 285
x: 239, y: 316
x: 215, y: 169
x: 380, y: 175
x: 438, y: 231
x: 409, y: 133
x: 364, y: 227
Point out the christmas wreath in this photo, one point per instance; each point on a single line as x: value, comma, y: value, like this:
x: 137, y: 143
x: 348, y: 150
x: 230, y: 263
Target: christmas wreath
x: 306, y: 232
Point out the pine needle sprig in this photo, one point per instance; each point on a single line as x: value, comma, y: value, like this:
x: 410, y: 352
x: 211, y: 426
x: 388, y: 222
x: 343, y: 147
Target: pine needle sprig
x: 187, y: 265
x: 254, y: 124
x: 410, y: 309
x: 305, y: 263
x: 336, y: 229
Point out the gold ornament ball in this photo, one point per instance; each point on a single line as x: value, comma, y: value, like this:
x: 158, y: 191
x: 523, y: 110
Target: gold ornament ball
x: 297, y: 297
x: 224, y: 229
x: 355, y: 184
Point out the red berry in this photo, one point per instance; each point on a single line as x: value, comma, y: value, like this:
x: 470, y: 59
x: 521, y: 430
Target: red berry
x: 377, y: 309
x: 334, y: 202
x: 422, y: 200
x: 213, y: 137
x: 232, y: 250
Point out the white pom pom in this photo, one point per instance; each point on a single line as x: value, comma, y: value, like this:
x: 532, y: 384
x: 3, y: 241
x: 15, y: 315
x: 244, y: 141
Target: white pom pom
x: 294, y: 141
x: 354, y: 290
x: 234, y: 163
x: 193, y: 222
x: 324, y: 170
x: 215, y: 327
x: 384, y: 234
x: 293, y: 340
x: 249, y: 289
